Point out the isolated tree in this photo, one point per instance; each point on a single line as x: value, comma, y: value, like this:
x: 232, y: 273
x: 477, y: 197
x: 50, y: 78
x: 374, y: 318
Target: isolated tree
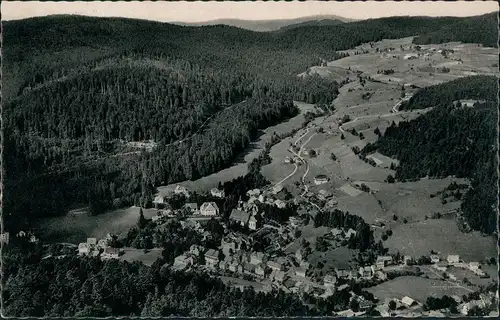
x: 392, y: 305
x: 141, y: 222
x: 377, y: 131
x: 390, y: 179
x: 361, y: 136
x: 342, y: 137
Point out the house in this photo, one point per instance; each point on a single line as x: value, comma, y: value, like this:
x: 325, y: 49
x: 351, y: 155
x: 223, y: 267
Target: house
x: 156, y: 218
x: 110, y: 253
x: 192, y: 207
x: 305, y: 264
x: 342, y: 273
x: 182, y: 190
x: 337, y: 233
x: 183, y: 261
x: 259, y: 271
x: 228, y: 246
x: 4, y: 238
x: 102, y: 243
x: 275, y: 265
x: 91, y: 241
x: 381, y: 275
x: 256, y: 258
x: 252, y: 223
x: 83, y: 248
x: 452, y: 258
x: 366, y: 272
x: 279, y: 276
x: 320, y: 179
x: 288, y: 160
x: 323, y: 194
x: 329, y: 281
x: 331, y: 203
x: 466, y: 307
x: 300, y: 272
x: 233, y: 266
x: 294, y: 221
x: 239, y: 217
x: 410, y: 56
x: 209, y: 209
x: 343, y: 287
x: 435, y: 258
x: 224, y: 264
x: 298, y: 255
x: 383, y: 261
x: 159, y: 201
x: 253, y: 192
x: 474, y: 266
x: 211, y: 258
x: 195, y: 250
x: 408, y: 302
x: 261, y: 198
x: 280, y: 204
x: 407, y: 260
x: 217, y: 193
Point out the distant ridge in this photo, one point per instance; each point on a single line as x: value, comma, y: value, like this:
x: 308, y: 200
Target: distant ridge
x: 270, y: 25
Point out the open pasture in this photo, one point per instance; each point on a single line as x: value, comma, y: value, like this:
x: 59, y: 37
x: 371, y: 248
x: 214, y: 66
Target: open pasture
x: 148, y: 258
x: 77, y: 228
x: 419, y: 238
x: 416, y: 288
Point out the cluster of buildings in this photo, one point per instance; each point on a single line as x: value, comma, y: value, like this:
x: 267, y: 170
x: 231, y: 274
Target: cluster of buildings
x: 455, y: 261
x: 102, y: 248
x: 25, y: 235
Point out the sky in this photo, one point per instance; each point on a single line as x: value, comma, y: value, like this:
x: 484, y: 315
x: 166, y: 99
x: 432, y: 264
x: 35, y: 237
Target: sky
x: 205, y: 11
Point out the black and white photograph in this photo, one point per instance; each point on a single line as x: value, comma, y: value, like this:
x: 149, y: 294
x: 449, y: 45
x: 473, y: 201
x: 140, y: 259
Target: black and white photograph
x: 249, y: 159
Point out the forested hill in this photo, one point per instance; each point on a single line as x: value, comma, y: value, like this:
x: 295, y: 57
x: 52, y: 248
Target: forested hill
x: 442, y: 95
x: 77, y: 90
x: 474, y: 30
x: 452, y: 140
x: 34, y: 46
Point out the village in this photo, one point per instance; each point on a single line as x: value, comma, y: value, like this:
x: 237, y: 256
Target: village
x: 275, y: 267
x: 270, y: 240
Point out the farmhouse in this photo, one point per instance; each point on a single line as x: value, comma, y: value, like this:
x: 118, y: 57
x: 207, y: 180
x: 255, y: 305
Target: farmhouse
x: 288, y: 160
x: 217, y: 193
x: 410, y: 56
x: 209, y: 209
x: 320, y: 179
x: 323, y: 194
x: 408, y: 302
x: 91, y: 241
x: 4, y: 238
x: 253, y: 192
x: 383, y: 261
x: 252, y: 223
x: 159, y: 202
x: 211, y: 258
x: 441, y: 266
x: 342, y: 273
x: 294, y: 221
x: 366, y: 272
x: 435, y: 258
x: 452, y: 259
x: 280, y: 204
x: 329, y: 281
x: 407, y: 260
x: 350, y: 233
x: 83, y: 248
x: 183, y: 261
x: 259, y: 271
x: 239, y: 217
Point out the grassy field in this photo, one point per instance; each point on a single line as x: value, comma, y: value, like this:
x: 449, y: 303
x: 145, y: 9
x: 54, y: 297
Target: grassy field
x: 77, y: 228
x: 341, y: 258
x: 416, y: 288
x: 440, y: 235
x: 132, y: 254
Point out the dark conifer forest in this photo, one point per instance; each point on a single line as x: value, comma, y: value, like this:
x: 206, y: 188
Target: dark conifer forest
x: 449, y: 140
x: 79, y: 90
